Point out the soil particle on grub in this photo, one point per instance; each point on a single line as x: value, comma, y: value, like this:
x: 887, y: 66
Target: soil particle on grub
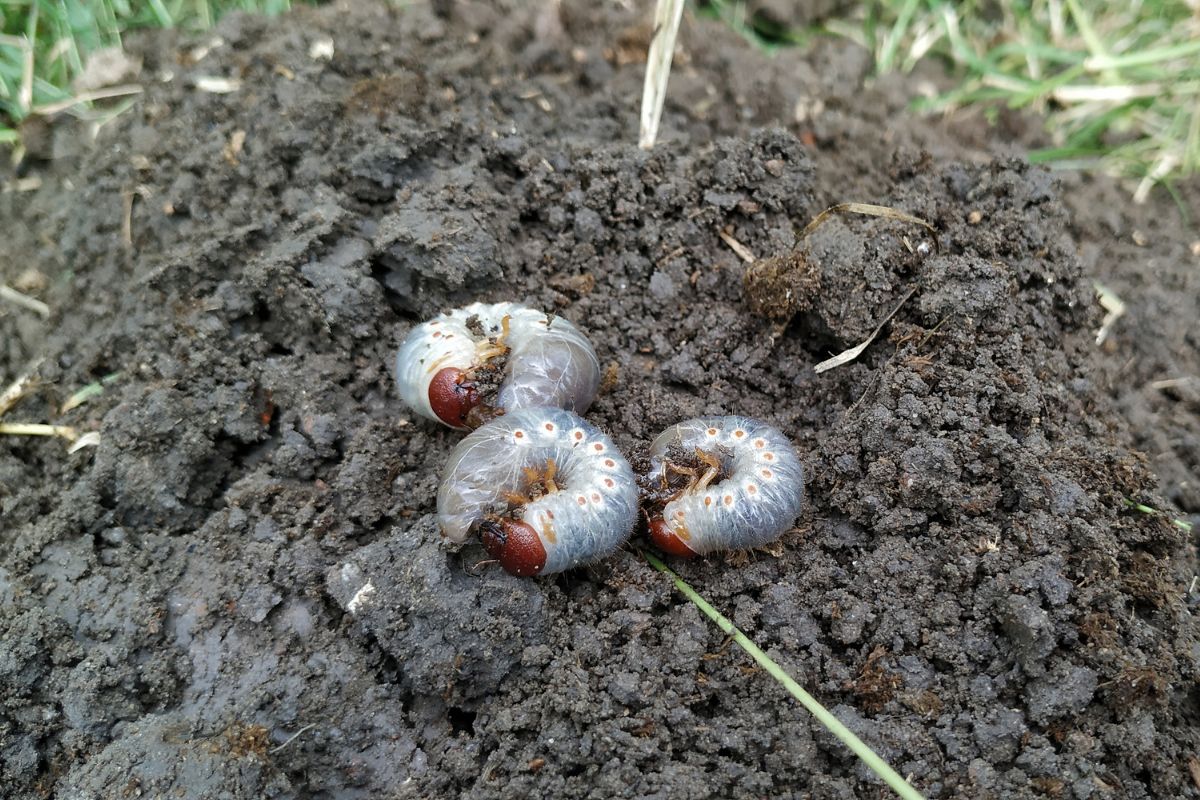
x: 241, y: 592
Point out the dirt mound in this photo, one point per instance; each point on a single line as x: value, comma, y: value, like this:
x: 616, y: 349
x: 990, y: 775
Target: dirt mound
x: 241, y: 590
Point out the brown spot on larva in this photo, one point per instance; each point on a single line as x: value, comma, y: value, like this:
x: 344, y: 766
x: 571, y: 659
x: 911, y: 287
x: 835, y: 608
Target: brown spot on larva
x: 707, y: 502
x: 581, y: 500
x: 549, y: 514
x: 550, y: 427
x: 578, y: 436
x: 437, y: 334
x: 595, y: 497
x: 738, y: 434
x: 711, y: 431
x: 728, y: 499
x: 609, y: 482
x: 752, y: 489
x: 518, y: 434
x: 769, y: 456
x: 599, y: 448
x: 608, y: 462
x: 760, y: 443
x: 766, y: 473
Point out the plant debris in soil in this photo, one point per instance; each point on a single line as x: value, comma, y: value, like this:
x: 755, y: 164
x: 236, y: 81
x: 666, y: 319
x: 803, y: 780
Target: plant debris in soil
x: 241, y: 591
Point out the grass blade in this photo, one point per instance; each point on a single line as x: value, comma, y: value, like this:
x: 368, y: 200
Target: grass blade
x: 844, y: 734
x: 1084, y: 22
x: 1143, y: 57
x: 161, y: 14
x: 891, y: 42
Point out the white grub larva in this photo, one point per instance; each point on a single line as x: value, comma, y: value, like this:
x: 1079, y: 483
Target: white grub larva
x: 721, y: 483
x: 470, y: 364
x: 544, y: 490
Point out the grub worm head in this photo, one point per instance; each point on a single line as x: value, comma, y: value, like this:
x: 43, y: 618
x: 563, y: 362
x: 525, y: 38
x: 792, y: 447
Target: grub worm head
x: 474, y: 363
x: 721, y: 483
x: 543, y: 489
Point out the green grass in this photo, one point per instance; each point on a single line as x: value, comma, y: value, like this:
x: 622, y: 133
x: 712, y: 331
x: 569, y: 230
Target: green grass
x: 1118, y: 84
x: 1182, y: 524
x: 44, y: 44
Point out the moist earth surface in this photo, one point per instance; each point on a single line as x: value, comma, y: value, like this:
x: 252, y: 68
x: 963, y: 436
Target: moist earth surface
x: 241, y: 590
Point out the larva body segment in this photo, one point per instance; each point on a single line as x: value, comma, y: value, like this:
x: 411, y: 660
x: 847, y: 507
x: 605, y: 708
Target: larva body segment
x: 490, y: 357
x: 724, y: 483
x: 545, y: 490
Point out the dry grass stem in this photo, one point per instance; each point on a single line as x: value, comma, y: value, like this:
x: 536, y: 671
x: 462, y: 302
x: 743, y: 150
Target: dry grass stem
x: 846, y: 356
x: 667, y: 14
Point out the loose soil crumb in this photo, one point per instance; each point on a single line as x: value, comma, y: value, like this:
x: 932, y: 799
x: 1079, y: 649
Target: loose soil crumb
x: 251, y: 553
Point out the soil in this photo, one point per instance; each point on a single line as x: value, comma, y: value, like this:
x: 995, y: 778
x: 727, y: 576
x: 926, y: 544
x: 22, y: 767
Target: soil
x: 241, y: 591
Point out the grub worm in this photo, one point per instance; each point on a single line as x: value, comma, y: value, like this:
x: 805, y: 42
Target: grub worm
x: 544, y: 490
x: 721, y: 483
x: 473, y: 363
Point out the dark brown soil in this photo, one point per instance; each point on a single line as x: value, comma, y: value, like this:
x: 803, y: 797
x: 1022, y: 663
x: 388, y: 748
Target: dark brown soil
x: 241, y: 591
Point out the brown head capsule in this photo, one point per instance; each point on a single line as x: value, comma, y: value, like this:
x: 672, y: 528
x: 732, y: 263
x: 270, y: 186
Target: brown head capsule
x: 452, y: 397
x: 514, y: 544
x: 668, y: 541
